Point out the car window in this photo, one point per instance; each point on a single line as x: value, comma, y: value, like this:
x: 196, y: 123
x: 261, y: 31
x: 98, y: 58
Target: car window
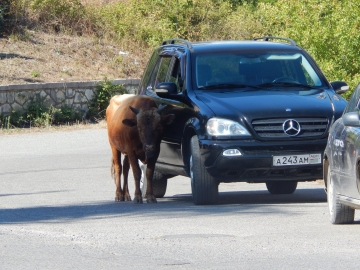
x: 254, y: 69
x: 148, y: 72
x: 159, y: 75
x: 167, y: 70
x: 174, y: 74
x: 354, y: 103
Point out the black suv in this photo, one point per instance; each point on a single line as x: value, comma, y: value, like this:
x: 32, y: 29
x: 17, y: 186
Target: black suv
x: 246, y: 111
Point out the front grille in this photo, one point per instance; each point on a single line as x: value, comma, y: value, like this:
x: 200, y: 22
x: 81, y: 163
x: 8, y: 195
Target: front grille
x: 273, y: 128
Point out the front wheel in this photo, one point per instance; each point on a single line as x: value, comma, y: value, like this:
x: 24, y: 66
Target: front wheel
x: 339, y: 213
x: 204, y: 187
x: 281, y: 187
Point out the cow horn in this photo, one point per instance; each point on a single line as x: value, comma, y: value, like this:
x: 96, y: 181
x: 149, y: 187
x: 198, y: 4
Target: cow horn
x: 161, y: 109
x: 136, y: 111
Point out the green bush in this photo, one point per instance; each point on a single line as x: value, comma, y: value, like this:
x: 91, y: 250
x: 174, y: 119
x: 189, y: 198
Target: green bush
x: 152, y: 21
x: 39, y: 114
x: 36, y: 115
x: 105, y: 90
x: 4, y: 9
x: 58, y: 15
x: 67, y: 115
x: 328, y: 29
x: 15, y: 119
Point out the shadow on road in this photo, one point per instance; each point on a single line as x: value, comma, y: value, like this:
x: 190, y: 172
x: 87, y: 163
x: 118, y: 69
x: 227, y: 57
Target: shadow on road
x: 242, y: 202
x: 312, y: 195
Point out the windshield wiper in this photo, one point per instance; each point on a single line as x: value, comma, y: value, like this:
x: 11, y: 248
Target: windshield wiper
x: 286, y: 84
x: 228, y: 85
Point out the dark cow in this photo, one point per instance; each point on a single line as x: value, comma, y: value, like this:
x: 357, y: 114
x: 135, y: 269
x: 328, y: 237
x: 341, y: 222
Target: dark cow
x: 135, y: 128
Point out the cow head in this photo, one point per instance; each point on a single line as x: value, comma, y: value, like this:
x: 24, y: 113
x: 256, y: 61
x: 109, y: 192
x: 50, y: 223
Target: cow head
x: 150, y: 124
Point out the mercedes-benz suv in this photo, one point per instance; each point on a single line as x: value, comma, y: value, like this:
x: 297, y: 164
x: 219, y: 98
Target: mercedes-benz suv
x: 246, y: 111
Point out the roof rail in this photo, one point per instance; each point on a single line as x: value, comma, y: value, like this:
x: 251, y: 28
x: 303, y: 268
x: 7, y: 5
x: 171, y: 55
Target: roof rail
x: 266, y: 38
x: 177, y: 40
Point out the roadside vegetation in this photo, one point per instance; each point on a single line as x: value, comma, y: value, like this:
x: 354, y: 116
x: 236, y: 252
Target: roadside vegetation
x: 40, y: 115
x: 67, y: 40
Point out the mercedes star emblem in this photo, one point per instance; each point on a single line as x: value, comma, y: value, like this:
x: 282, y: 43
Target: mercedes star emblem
x: 291, y: 127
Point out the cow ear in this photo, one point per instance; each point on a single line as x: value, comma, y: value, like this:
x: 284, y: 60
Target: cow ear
x: 129, y: 122
x: 136, y: 111
x: 168, y: 119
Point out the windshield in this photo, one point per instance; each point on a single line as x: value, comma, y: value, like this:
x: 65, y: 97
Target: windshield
x: 261, y: 70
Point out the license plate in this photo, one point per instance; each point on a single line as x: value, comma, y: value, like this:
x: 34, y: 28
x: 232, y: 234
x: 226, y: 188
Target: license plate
x: 297, y: 160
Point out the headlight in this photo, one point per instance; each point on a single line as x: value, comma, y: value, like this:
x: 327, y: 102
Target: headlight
x: 219, y: 127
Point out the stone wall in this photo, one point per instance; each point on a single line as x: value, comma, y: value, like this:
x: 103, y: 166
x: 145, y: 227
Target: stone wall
x: 73, y: 94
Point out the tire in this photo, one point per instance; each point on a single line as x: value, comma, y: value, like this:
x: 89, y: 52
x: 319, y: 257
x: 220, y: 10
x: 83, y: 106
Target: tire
x: 281, y: 187
x: 159, y: 183
x: 339, y: 213
x: 204, y: 187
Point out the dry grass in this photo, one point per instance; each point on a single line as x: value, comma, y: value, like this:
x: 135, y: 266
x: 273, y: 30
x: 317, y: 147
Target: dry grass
x: 100, y: 125
x: 99, y: 2
x: 41, y: 57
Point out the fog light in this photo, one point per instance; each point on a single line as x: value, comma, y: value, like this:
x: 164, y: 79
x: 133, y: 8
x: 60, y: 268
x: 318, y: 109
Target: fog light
x: 231, y: 152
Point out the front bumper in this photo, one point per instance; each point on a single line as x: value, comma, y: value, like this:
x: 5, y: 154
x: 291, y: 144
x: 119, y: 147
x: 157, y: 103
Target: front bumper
x: 256, y: 161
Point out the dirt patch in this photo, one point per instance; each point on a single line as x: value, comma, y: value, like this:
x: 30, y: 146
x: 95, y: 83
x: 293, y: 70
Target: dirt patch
x: 40, y: 57
x: 99, y: 125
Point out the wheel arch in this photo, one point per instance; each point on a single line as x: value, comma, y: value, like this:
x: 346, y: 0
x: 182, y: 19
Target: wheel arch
x: 189, y: 131
x: 325, y: 169
x: 358, y: 174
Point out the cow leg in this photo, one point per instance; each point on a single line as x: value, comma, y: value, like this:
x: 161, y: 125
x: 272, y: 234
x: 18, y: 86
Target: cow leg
x: 137, y: 176
x: 126, y: 168
x: 116, y: 159
x: 150, y: 197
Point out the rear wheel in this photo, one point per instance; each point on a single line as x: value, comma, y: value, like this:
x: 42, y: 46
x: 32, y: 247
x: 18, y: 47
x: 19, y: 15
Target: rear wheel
x: 204, y: 187
x: 159, y: 182
x: 339, y: 213
x: 281, y: 187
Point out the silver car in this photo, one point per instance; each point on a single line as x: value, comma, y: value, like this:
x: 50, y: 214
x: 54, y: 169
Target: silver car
x: 342, y: 164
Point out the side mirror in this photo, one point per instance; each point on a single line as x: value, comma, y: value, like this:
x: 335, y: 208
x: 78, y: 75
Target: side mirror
x: 166, y: 89
x: 340, y: 87
x: 351, y: 119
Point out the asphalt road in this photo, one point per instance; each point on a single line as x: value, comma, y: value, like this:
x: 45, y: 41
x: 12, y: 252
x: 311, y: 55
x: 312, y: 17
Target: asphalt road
x: 57, y: 211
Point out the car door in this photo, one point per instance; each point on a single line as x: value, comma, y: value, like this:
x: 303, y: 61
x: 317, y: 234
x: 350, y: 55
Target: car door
x: 171, y: 68
x: 350, y: 184
x: 348, y: 160
x: 337, y: 148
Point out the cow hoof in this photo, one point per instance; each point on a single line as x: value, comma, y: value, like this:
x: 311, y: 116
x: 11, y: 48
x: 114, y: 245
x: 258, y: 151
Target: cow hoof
x: 138, y: 200
x: 119, y: 199
x: 128, y: 198
x: 151, y: 200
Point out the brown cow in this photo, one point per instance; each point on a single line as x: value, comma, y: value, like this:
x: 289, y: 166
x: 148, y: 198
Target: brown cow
x: 135, y: 129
